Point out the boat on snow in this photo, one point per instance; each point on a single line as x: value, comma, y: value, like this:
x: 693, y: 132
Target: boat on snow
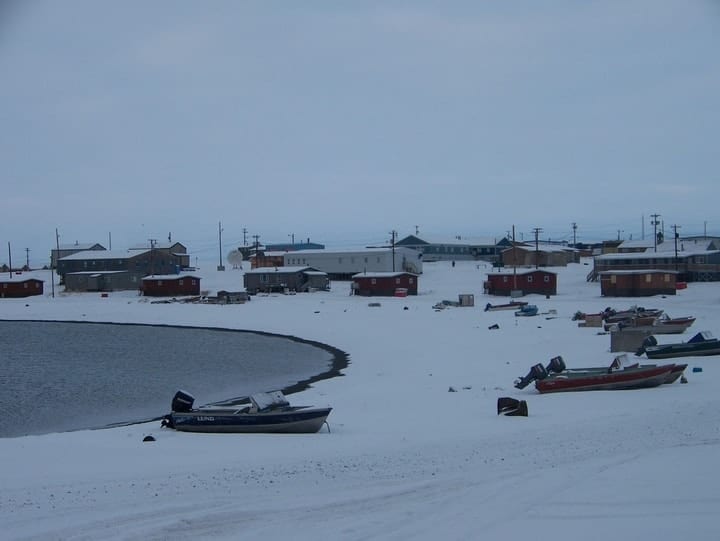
x: 703, y: 343
x: 268, y: 412
x: 512, y: 305
x: 556, y: 377
x: 527, y: 310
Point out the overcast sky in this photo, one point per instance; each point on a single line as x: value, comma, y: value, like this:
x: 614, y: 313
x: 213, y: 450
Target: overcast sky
x: 343, y: 121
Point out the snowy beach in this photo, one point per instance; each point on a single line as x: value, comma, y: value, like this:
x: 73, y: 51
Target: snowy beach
x: 405, y: 458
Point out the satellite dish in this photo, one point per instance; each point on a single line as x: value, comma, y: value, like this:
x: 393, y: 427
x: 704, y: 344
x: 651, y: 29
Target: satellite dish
x: 235, y: 258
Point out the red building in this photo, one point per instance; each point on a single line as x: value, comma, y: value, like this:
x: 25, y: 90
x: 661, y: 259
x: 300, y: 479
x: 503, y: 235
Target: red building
x: 385, y: 284
x: 18, y: 287
x: 637, y: 283
x: 170, y: 285
x: 524, y: 282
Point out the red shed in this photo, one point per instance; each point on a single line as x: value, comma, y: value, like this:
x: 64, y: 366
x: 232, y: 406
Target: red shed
x: 385, y: 284
x: 18, y: 287
x: 170, y: 285
x: 524, y: 281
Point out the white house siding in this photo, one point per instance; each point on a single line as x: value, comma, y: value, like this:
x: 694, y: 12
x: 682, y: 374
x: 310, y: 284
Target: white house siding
x: 345, y: 263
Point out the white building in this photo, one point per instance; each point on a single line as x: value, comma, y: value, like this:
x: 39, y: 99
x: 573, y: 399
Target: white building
x: 342, y: 264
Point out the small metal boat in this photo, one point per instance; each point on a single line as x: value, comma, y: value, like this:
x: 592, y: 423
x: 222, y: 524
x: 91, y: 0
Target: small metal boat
x: 703, y: 343
x: 512, y: 305
x: 264, y: 413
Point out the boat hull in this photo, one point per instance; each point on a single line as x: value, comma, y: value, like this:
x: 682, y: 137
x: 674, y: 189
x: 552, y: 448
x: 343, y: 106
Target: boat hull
x: 670, y: 351
x: 291, y: 421
x: 629, y: 378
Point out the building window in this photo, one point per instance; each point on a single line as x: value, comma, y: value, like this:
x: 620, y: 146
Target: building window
x: 180, y: 282
x: 613, y: 279
x: 25, y: 285
x: 378, y: 260
x: 667, y: 277
x: 397, y: 281
x: 529, y: 279
x: 339, y: 259
x: 366, y: 260
x: 546, y: 279
x: 411, y: 281
x: 648, y: 278
x: 505, y: 279
x: 159, y: 282
x: 193, y: 282
x: 373, y: 281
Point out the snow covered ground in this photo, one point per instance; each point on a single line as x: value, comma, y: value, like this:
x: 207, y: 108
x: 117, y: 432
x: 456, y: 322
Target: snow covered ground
x: 405, y: 458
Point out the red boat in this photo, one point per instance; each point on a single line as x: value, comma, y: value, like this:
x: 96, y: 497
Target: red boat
x: 612, y: 380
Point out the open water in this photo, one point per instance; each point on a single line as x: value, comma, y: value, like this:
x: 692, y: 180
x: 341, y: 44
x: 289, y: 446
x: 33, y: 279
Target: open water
x: 60, y: 376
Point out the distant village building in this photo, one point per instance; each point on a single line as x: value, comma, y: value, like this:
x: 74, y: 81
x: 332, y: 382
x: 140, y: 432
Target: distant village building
x: 436, y: 248
x: 109, y: 270
x: 267, y: 259
x: 521, y: 282
x: 542, y: 255
x: 64, y: 250
x: 637, y: 283
x: 344, y: 264
x: 19, y: 286
x: 288, y: 278
x: 385, y: 284
x: 694, y: 260
x: 170, y: 285
x: 86, y: 281
x: 175, y: 250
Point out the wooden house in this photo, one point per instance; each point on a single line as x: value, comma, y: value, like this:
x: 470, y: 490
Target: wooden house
x: 267, y: 259
x: 638, y: 283
x: 385, y: 284
x: 542, y: 255
x: 282, y: 279
x: 19, y: 286
x: 170, y: 285
x: 521, y: 282
x: 118, y: 280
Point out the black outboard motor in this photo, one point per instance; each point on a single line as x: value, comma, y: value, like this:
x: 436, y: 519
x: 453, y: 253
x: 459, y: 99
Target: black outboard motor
x: 649, y: 341
x: 182, y: 402
x: 556, y: 365
x: 538, y: 371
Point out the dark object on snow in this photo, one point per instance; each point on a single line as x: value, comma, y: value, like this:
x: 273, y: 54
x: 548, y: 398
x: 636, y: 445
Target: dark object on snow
x: 494, y: 326
x: 452, y: 390
x: 537, y: 372
x: 148, y: 438
x: 512, y: 407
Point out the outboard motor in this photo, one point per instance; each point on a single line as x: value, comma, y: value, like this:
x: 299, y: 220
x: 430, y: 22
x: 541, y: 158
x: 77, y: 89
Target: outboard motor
x: 538, y: 371
x: 182, y: 402
x: 649, y: 341
x: 556, y: 365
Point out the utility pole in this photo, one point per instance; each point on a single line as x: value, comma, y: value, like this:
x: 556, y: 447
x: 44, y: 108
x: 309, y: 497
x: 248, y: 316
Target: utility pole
x: 220, y: 267
x: 392, y: 242
x: 27, y: 258
x: 619, y: 231
x: 109, y: 241
x: 245, y: 232
x: 152, y: 260
x: 417, y: 230
x: 574, y: 226
x: 676, y: 235
x: 537, y: 231
x: 10, y: 259
x: 655, y: 223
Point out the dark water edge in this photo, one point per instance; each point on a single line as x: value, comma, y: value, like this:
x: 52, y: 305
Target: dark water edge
x: 293, y: 381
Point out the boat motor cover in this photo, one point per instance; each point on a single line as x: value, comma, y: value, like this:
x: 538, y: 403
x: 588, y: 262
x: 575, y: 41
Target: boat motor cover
x: 182, y: 402
x: 269, y: 400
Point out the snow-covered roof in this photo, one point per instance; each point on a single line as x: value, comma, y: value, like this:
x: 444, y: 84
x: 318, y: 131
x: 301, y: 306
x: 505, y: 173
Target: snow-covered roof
x: 97, y: 273
x: 283, y: 270
x: 459, y: 240
x: 103, y: 254
x: 388, y: 274
x: 637, y: 243
x: 511, y: 271
x: 80, y: 246
x: 17, y: 278
x: 170, y: 276
x: 653, y: 255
